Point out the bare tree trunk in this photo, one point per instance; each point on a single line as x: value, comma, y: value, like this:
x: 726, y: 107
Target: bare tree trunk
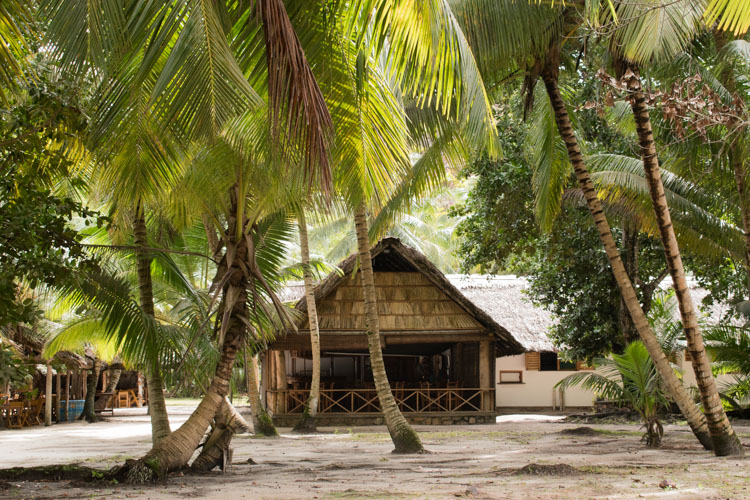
x: 676, y: 390
x: 157, y: 406
x: 307, y: 424
x: 262, y: 423
x: 88, y: 406
x: 725, y: 441
x: 404, y: 438
x: 114, y: 379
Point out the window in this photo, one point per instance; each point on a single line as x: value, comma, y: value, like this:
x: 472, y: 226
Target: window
x: 548, y: 361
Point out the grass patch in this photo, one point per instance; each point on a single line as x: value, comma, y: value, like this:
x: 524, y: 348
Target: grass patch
x: 616, y: 432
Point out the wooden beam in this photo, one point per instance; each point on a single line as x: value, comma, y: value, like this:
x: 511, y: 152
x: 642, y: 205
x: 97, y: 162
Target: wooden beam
x: 58, y: 394
x: 48, y: 396
x: 428, y: 338
x: 485, y: 372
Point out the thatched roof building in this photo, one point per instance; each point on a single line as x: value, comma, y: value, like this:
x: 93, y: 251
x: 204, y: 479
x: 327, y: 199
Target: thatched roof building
x: 504, y: 300
x: 396, y: 264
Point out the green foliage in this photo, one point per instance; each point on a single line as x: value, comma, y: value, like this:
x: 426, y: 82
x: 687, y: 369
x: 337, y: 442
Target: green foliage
x: 13, y: 370
x: 39, y: 244
x: 498, y: 227
x: 631, y: 379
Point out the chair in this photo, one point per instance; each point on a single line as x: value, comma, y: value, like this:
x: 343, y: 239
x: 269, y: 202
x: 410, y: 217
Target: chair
x: 16, y: 416
x: 34, y: 411
x: 453, y: 394
x: 398, y: 393
x: 123, y: 399
x: 425, y: 396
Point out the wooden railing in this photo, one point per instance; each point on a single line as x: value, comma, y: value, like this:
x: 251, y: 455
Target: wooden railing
x: 361, y: 401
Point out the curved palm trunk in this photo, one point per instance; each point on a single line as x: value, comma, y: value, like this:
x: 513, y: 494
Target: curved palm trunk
x: 175, y: 450
x: 216, y: 451
x: 307, y: 424
x: 262, y: 423
x: 725, y: 441
x: 114, y: 379
x: 157, y: 407
x: 404, y: 438
x: 677, y: 391
x: 88, y: 406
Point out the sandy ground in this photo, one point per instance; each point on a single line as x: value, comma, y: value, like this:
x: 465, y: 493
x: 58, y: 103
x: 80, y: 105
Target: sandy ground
x: 480, y: 461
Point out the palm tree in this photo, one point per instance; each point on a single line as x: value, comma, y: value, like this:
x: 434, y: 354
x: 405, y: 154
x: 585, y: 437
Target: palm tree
x: 537, y: 32
x: 262, y: 423
x: 676, y: 26
x: 630, y: 378
x: 730, y: 15
x: 307, y: 423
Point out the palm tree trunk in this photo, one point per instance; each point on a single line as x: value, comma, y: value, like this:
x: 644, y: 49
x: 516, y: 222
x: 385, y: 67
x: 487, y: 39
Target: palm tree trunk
x: 725, y: 441
x: 175, y: 450
x: 93, y: 378
x: 404, y: 438
x: 262, y: 423
x: 307, y: 424
x: 157, y: 406
x: 216, y: 451
x: 736, y: 153
x: 677, y: 391
x: 114, y: 379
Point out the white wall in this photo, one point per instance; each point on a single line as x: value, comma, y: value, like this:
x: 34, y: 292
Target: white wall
x: 536, y: 389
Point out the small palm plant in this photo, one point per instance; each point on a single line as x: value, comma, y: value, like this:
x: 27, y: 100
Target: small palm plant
x: 631, y: 379
x: 729, y: 347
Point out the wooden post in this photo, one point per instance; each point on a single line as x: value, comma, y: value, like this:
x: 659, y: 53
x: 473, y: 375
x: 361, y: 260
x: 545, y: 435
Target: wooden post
x: 139, y: 392
x: 48, y: 396
x: 58, y: 393
x: 84, y: 385
x: 67, y: 393
x: 484, y: 373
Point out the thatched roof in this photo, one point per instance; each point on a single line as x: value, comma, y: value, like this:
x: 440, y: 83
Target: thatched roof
x: 503, y: 298
x: 389, y: 254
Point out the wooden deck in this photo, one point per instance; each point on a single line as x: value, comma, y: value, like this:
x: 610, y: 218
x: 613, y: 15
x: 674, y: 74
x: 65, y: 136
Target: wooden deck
x: 365, y: 401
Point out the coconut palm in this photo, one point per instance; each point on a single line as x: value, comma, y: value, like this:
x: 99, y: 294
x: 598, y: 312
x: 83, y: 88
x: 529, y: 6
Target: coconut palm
x: 730, y: 15
x: 631, y: 379
x: 307, y: 423
x: 633, y: 45
x: 516, y: 37
x: 17, y: 29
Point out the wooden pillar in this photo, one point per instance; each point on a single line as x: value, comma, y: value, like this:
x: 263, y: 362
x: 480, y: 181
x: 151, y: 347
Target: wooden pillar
x: 139, y: 392
x: 48, y: 396
x: 459, y: 362
x: 484, y: 373
x: 58, y: 393
x: 280, y: 378
x: 67, y: 393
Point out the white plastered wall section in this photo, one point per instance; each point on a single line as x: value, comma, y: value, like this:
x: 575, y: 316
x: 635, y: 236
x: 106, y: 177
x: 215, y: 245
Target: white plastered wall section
x: 537, y: 388
x: 536, y: 391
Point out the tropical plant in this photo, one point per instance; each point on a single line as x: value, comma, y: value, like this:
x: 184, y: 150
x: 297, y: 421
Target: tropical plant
x: 632, y: 380
x: 518, y: 37
x: 633, y: 45
x: 729, y: 348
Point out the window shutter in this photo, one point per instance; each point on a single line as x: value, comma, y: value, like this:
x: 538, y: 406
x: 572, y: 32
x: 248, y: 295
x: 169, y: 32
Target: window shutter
x: 532, y: 361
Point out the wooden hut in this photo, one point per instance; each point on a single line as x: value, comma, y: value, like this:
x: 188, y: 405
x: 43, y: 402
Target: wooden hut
x: 439, y: 347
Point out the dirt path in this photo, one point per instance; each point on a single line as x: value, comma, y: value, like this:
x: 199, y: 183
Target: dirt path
x: 480, y: 461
